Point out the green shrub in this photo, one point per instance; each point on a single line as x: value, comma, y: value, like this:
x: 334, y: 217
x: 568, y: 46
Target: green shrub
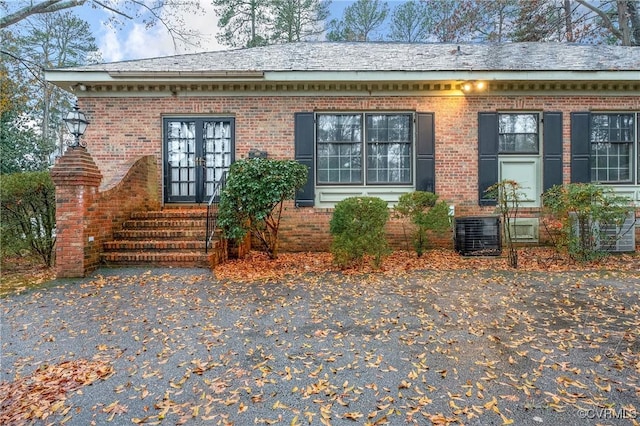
x: 28, y: 209
x: 357, y: 227
x: 583, y: 211
x: 252, y: 200
x: 426, y: 213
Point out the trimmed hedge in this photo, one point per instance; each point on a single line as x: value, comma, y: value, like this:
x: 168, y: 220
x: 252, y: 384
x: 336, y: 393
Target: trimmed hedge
x: 28, y: 208
x: 357, y: 226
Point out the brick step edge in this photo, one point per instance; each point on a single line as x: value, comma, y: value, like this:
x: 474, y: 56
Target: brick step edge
x: 167, y: 214
x: 183, y: 260
x: 164, y: 245
x: 159, y: 234
x: 165, y: 223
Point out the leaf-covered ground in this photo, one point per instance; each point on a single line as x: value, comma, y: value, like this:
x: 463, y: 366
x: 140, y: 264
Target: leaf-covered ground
x: 474, y: 346
x: 21, y: 273
x: 258, y: 266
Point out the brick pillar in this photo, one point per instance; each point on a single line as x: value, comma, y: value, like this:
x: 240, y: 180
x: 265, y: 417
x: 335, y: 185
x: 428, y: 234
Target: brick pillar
x: 77, y: 178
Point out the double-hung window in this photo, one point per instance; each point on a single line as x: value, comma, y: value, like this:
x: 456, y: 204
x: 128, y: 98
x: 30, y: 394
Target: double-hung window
x: 518, y: 133
x: 364, y: 148
x: 613, y: 144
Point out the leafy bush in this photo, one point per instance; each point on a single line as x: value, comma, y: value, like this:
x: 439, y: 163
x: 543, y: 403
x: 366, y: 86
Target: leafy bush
x: 357, y: 227
x: 28, y: 208
x: 426, y: 213
x: 583, y: 211
x: 252, y: 200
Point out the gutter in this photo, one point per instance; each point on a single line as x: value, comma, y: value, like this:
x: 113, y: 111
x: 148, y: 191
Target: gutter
x: 182, y: 74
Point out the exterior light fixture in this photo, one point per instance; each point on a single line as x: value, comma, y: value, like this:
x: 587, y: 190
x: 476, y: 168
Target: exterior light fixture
x: 76, y: 123
x: 473, y: 86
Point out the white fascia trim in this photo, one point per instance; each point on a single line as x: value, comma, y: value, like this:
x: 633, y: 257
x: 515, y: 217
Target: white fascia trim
x: 72, y: 81
x: 452, y: 75
x: 76, y: 76
x: 72, y: 77
x: 315, y: 76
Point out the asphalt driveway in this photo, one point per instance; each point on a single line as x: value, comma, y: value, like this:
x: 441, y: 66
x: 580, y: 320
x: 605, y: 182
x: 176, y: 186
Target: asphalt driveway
x: 176, y: 346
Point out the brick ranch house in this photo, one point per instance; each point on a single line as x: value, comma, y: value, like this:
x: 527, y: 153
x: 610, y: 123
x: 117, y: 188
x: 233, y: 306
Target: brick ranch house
x: 378, y: 119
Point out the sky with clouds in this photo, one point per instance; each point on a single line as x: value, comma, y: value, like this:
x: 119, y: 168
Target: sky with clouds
x: 135, y: 41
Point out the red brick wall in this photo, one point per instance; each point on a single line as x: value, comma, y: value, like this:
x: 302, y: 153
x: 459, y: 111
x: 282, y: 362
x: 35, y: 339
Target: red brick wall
x: 125, y: 128
x: 77, y: 178
x: 84, y: 213
x: 132, y: 187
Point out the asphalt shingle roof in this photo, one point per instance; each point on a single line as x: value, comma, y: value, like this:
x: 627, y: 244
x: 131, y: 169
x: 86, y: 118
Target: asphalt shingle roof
x: 327, y: 57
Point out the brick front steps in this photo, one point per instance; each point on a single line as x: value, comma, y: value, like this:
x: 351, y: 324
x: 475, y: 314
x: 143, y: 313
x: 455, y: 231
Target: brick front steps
x: 170, y: 237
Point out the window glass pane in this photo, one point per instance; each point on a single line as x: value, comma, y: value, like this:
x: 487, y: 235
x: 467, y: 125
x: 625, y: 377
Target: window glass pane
x: 518, y: 133
x: 339, y: 128
x: 339, y: 147
x: 612, y: 147
x: 526, y: 143
x: 399, y: 128
x: 377, y: 129
x: 388, y: 148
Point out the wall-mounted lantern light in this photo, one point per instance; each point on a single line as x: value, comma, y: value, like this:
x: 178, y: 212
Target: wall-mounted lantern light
x: 256, y: 153
x: 76, y: 123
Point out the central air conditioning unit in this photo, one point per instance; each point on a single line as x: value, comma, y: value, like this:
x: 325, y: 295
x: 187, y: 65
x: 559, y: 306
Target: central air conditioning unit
x: 612, y: 238
x: 478, y: 236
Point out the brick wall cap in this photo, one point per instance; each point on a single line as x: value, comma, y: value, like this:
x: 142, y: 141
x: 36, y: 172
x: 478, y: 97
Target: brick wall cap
x: 76, y: 167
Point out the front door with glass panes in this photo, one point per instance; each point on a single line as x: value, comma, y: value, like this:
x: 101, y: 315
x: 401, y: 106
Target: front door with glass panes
x: 197, y: 151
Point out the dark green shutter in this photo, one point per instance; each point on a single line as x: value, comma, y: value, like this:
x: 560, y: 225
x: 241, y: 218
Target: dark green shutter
x: 552, y: 150
x: 425, y: 153
x: 304, y: 150
x: 580, y: 147
x: 487, y: 155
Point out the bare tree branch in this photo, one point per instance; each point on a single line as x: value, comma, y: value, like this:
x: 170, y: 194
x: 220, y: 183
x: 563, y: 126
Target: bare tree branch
x: 185, y: 36
x: 29, y: 66
x: 117, y: 12
x: 164, y: 12
x: 46, y: 6
x: 606, y: 20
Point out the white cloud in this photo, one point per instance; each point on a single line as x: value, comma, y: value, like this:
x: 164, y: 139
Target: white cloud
x: 135, y: 41
x: 109, y: 46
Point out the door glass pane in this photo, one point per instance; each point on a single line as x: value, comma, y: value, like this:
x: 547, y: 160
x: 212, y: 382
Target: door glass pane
x: 180, y: 156
x: 217, y: 151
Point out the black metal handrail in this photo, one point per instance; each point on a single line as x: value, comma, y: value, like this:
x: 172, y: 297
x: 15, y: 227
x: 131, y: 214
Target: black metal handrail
x: 211, y: 215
